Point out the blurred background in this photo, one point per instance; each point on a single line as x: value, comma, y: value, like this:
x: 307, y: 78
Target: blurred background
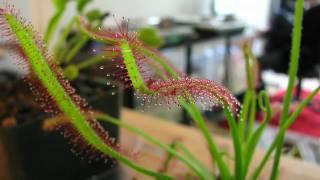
x: 202, y: 38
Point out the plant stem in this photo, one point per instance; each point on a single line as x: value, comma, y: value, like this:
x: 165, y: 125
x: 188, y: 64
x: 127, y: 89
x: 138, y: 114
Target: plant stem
x: 253, y: 141
x: 295, y: 55
x: 62, y: 55
x: 193, y: 111
x: 193, y: 166
x: 191, y: 157
x: 83, y: 39
x: 236, y: 142
x: 66, y: 31
x: 249, y: 68
x: 244, y: 116
x: 169, y: 158
x: 190, y: 107
x: 91, y: 61
x: 47, y: 77
x: 252, y: 115
x: 158, y: 59
x: 215, y: 154
x: 248, y: 56
x: 52, y: 26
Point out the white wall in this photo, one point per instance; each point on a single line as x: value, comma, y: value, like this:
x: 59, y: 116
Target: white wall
x: 24, y: 6
x: 144, y: 8
x: 253, y: 12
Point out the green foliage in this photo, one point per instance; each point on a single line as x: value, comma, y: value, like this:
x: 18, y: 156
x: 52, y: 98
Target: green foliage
x: 60, y: 5
x: 43, y: 70
x: 81, y: 4
x: 150, y: 37
x: 133, y: 69
x: 245, y: 137
x: 70, y: 42
x: 294, y: 64
x: 194, y: 165
x: 71, y: 72
x: 94, y: 15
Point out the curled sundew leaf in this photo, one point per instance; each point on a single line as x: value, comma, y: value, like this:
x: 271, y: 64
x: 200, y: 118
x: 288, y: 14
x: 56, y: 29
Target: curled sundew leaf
x: 204, y: 92
x: 164, y: 83
x: 56, y: 94
x: 128, y: 64
x: 148, y: 59
x: 121, y: 32
x: 155, y: 79
x: 100, y: 34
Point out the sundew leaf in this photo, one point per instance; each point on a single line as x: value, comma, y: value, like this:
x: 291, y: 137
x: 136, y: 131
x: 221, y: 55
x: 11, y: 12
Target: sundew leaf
x: 168, y: 84
x: 138, y: 65
x: 57, y: 95
x: 197, y: 168
x: 204, y: 92
x: 46, y: 80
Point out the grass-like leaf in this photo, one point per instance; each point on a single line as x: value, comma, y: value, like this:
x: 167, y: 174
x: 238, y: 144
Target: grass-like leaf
x: 60, y: 6
x: 293, y: 70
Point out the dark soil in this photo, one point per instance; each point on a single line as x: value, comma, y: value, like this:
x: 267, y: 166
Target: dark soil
x: 17, y: 104
x: 34, y: 154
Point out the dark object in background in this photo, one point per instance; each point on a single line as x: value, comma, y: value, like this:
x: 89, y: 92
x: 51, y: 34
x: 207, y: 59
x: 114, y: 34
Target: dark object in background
x: 278, y: 44
x: 33, y: 154
x: 277, y: 50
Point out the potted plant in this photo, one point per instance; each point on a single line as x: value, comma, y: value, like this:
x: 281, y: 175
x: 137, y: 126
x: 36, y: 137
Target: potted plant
x: 22, y: 122
x: 161, y: 84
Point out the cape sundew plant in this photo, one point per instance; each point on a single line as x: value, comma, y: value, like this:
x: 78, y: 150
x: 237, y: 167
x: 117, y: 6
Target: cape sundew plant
x: 156, y: 81
x: 56, y: 94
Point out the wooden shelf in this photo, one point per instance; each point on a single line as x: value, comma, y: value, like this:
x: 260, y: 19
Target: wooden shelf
x: 167, y: 132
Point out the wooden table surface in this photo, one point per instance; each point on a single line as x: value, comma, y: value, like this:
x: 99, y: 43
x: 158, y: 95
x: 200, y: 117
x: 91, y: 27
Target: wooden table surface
x: 167, y: 132
x: 152, y: 157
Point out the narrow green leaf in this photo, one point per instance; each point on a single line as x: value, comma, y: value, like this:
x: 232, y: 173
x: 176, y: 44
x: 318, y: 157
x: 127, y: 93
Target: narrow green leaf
x: 194, y: 167
x: 81, y: 5
x: 293, y: 70
x: 265, y: 106
x: 282, y: 132
x: 60, y: 5
x: 236, y: 142
x: 94, y: 15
